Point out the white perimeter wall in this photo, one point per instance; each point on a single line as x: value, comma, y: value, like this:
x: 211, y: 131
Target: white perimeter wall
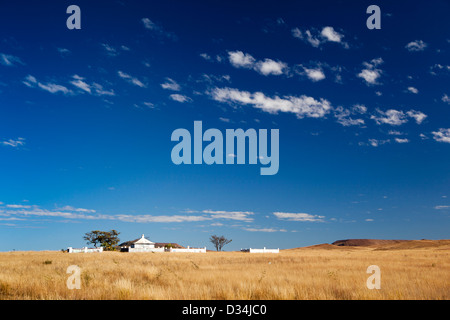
x: 193, y: 250
x: 264, y: 250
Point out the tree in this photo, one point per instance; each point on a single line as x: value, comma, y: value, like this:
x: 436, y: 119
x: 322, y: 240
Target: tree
x: 107, y: 239
x: 219, y: 242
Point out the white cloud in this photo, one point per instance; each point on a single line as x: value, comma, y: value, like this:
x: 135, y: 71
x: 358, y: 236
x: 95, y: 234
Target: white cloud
x: 180, y: 98
x: 64, y: 51
x: 13, y: 142
x: 439, y: 68
x: 9, y: 60
x: 445, y: 98
x: 148, y: 24
x: 417, y: 115
x: 401, y: 140
x: 413, y: 90
x: 93, y: 88
x: 206, y: 56
x: 111, y: 51
x: 131, y: 79
x: 159, y: 219
x: 157, y: 29
x: 371, y: 74
x: 170, y: 84
x: 79, y: 83
x: 331, y: 35
x: 239, y: 59
x: 442, y: 207
x: 417, y: 45
x: 314, y: 74
x: 32, y: 82
x: 376, y: 143
x: 269, y: 66
x: 302, y: 106
x: 392, y: 117
x: 443, y: 135
x: 70, y: 208
x: 316, y: 38
x: 343, y: 115
x: 230, y: 215
x: 18, y: 206
x: 298, y: 217
x: 264, y: 230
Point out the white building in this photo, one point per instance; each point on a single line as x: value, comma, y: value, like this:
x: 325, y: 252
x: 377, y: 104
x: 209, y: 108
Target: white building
x: 144, y: 245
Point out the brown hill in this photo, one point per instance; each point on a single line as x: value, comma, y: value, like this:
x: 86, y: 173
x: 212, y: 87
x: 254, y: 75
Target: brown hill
x: 366, y: 242
x: 417, y: 244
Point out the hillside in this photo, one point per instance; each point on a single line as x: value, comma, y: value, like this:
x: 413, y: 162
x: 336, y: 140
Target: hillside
x: 378, y: 244
x: 366, y: 242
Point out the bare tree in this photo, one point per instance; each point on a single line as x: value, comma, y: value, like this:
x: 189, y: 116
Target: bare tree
x: 219, y: 242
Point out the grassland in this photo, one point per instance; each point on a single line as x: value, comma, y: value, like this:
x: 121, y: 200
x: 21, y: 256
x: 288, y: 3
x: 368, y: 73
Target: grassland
x: 320, y: 272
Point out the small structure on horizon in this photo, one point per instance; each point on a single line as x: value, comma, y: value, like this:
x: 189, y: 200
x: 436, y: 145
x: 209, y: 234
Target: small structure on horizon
x: 264, y: 250
x: 145, y: 245
x: 140, y: 245
x: 189, y: 249
x: 84, y: 250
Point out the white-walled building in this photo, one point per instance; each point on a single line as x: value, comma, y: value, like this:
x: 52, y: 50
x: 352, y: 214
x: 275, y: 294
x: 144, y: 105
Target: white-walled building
x: 144, y: 245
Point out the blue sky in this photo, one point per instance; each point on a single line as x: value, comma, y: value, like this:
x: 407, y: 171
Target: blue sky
x: 86, y: 118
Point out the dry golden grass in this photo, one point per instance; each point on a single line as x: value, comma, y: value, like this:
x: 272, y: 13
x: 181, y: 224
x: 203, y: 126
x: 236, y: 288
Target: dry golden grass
x: 307, y: 273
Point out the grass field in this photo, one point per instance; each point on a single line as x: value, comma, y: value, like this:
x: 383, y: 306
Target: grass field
x: 321, y: 272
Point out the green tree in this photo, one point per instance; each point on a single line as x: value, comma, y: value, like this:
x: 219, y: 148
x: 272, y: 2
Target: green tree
x: 106, y: 239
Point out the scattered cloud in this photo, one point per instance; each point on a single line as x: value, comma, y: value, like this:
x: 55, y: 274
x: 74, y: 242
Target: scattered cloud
x: 442, y: 135
x: 413, y: 90
x: 298, y: 217
x: 376, y: 142
x: 170, y: 84
x: 94, y: 88
x: 109, y: 50
x: 302, y: 106
x: 32, y: 82
x: 79, y: 83
x: 391, y: 116
x: 442, y: 207
x: 180, y: 98
x: 264, y: 230
x: 64, y: 51
x: 446, y: 99
x: 15, y: 143
x: 371, y: 74
x: 157, y: 29
x: 417, y: 45
x: 316, y: 38
x: 10, y: 60
x: 396, y: 117
x: 131, y: 79
x: 401, y: 140
x: 314, y: 74
x: 417, y: 115
x: 439, y: 69
x: 239, y: 59
x: 343, y: 115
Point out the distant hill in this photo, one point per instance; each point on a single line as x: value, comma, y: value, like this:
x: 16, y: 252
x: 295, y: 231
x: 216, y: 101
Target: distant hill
x: 378, y: 244
x: 366, y: 242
